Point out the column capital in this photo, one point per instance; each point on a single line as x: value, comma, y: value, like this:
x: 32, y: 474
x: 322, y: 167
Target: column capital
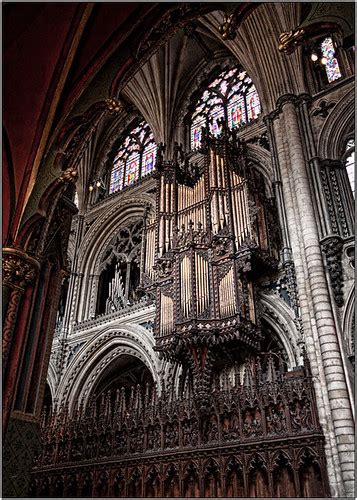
x: 19, y: 269
x: 286, y: 99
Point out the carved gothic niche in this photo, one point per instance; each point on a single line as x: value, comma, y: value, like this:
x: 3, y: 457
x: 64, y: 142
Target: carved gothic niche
x: 57, y: 486
x: 118, y: 483
x: 45, y: 487
x: 120, y: 270
x: 171, y: 435
x: 135, y: 483
x: 310, y: 475
x: 212, y: 482
x: 234, y: 478
x: 191, y: 484
x: 258, y: 478
x: 72, y: 486
x: 171, y: 482
x: 33, y: 488
x: 153, y: 483
x: 283, y: 477
x: 87, y: 485
x: 102, y: 484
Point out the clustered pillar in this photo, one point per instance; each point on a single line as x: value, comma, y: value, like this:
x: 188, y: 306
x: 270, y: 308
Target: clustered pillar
x: 320, y: 332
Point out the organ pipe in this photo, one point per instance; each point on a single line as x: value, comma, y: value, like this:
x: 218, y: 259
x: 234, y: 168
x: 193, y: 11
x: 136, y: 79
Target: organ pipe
x: 208, y: 212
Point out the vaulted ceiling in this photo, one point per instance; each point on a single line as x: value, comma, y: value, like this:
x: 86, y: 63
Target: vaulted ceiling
x: 62, y: 60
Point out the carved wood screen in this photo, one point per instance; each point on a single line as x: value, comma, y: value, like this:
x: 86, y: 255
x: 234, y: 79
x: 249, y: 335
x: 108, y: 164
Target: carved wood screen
x: 257, y: 438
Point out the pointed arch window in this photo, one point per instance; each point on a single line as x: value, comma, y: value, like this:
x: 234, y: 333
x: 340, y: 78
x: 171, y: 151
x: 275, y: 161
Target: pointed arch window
x: 232, y: 96
x: 134, y: 159
x: 329, y: 60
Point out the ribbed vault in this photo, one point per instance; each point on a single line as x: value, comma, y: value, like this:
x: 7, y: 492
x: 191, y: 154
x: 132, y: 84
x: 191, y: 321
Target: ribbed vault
x: 256, y: 48
x: 159, y: 86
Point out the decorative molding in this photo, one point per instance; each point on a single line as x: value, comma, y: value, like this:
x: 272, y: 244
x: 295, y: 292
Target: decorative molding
x: 290, y: 40
x: 332, y: 247
x: 323, y: 108
x: 114, y: 106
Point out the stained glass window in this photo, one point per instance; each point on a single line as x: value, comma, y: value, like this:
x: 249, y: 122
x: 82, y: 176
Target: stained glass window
x: 331, y: 64
x: 232, y: 97
x: 350, y: 163
x: 134, y: 159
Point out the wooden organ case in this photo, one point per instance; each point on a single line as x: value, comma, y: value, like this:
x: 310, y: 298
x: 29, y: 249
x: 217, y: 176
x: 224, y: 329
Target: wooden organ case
x: 211, y: 239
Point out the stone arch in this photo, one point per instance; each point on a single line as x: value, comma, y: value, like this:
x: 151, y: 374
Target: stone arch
x: 262, y: 162
x: 281, y: 318
x: 348, y: 322
x: 337, y: 125
x: 95, y: 241
x: 106, y: 224
x: 88, y: 364
x: 51, y: 379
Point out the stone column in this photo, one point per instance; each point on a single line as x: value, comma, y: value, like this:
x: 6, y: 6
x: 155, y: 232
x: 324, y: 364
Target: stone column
x: 315, y: 300
x: 73, y: 282
x: 93, y: 296
x: 19, y: 274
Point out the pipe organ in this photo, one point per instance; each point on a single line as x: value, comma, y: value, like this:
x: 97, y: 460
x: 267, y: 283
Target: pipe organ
x: 116, y: 298
x: 209, y: 242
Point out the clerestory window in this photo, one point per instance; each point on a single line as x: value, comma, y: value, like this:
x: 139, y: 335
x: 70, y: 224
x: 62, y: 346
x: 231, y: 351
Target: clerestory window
x: 134, y: 159
x: 329, y: 60
x: 231, y: 96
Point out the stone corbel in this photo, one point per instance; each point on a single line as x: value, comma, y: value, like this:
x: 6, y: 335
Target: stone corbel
x: 332, y: 247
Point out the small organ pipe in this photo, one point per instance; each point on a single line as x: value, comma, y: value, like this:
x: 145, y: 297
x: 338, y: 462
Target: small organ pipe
x: 162, y: 198
x: 161, y: 236
x: 167, y: 199
x: 167, y: 235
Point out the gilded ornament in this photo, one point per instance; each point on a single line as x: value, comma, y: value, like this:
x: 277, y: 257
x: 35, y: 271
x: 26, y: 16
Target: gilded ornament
x: 69, y: 175
x: 227, y: 29
x: 289, y: 40
x: 113, y: 105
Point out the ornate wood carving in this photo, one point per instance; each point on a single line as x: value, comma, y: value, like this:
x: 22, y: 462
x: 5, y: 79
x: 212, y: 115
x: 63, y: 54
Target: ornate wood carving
x: 148, y: 444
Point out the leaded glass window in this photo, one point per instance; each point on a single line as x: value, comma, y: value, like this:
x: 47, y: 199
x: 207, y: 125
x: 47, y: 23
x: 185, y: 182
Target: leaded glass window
x: 232, y: 97
x: 134, y: 159
x: 328, y: 58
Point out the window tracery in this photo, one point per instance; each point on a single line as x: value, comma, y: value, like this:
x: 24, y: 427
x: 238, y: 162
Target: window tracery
x: 134, y: 159
x: 232, y: 97
x: 120, y: 270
